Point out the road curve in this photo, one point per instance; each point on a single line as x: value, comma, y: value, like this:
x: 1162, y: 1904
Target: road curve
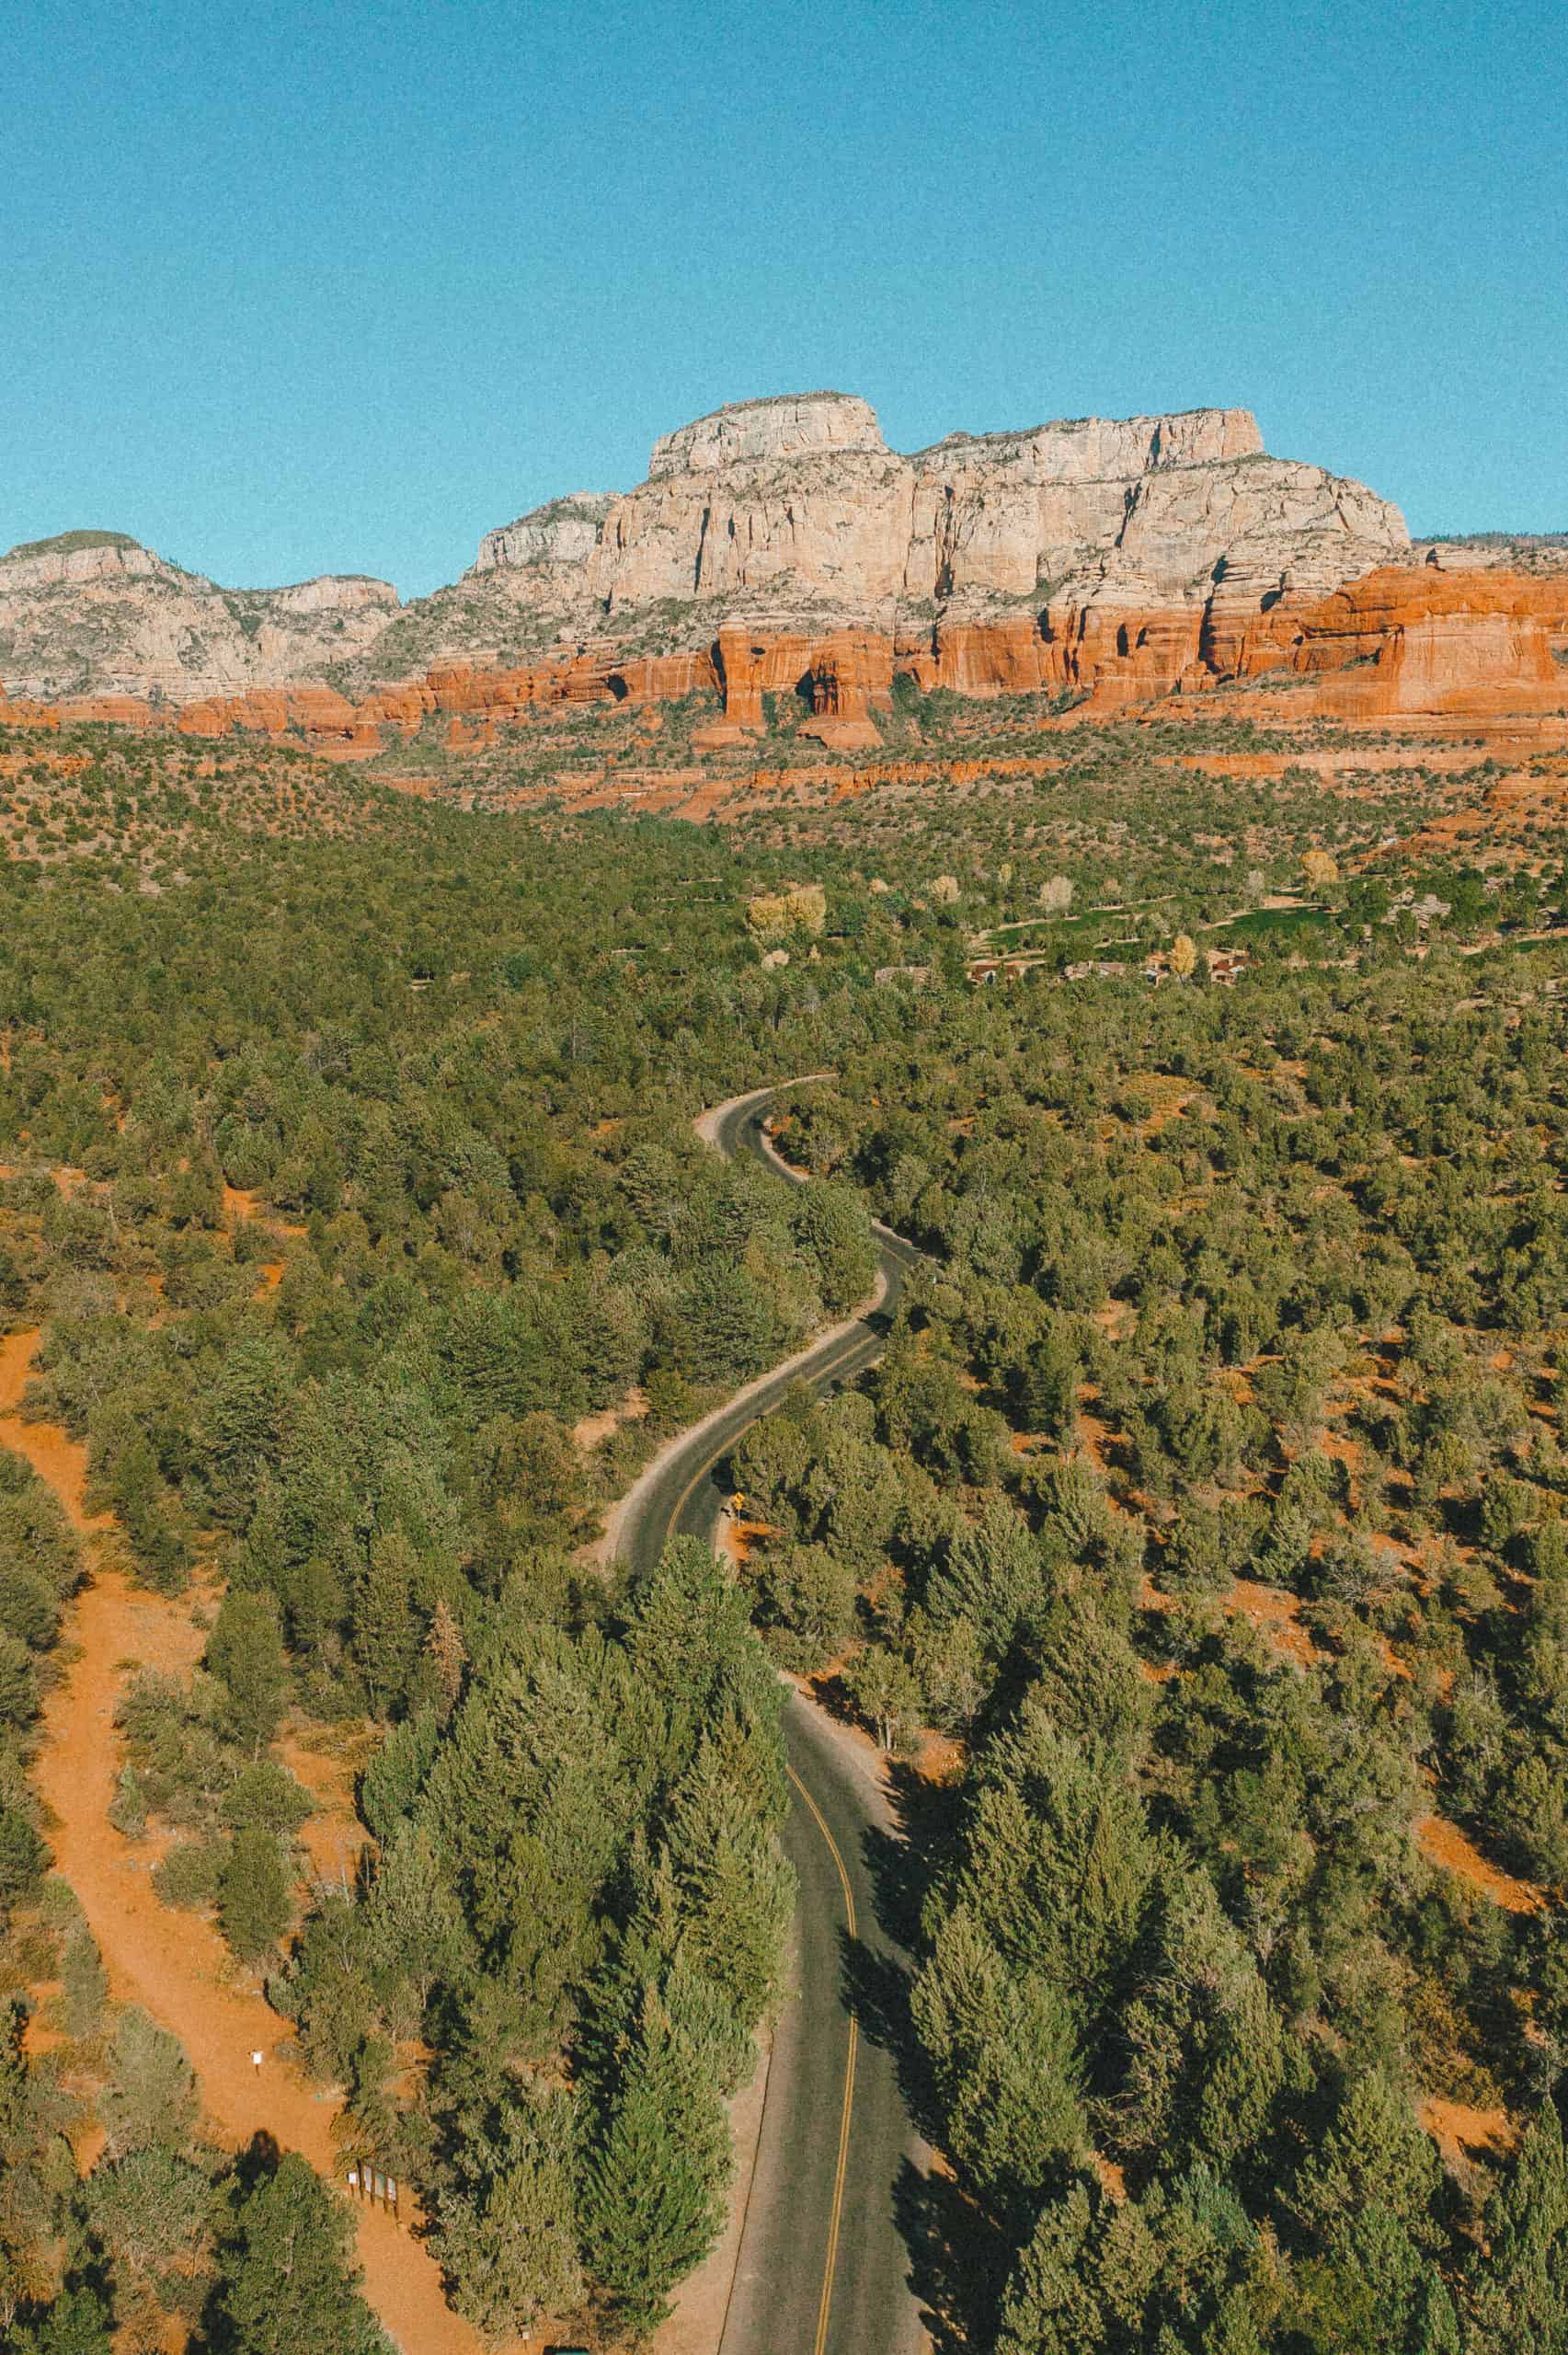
x: 822, y: 2267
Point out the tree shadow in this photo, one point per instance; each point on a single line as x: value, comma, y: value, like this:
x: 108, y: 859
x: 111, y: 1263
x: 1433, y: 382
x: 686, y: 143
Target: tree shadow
x: 958, y: 2264
x: 878, y: 1965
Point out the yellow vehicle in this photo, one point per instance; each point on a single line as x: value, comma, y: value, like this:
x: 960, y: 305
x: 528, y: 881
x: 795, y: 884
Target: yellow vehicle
x: 738, y: 1501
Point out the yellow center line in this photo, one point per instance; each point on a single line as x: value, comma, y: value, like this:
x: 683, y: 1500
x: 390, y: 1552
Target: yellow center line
x: 825, y: 2303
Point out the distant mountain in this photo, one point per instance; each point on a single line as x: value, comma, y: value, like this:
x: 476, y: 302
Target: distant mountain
x: 785, y: 514
x: 93, y: 612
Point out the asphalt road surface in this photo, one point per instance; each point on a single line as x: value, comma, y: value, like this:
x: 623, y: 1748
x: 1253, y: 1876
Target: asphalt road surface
x: 823, y: 2268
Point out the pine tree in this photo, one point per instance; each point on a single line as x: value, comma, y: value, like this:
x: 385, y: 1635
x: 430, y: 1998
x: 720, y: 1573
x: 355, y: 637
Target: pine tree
x: 736, y: 1890
x: 245, y: 1651
x: 447, y: 1654
x: 76, y: 2324
x: 1048, y: 1387
x: 85, y: 1984
x: 253, y: 1894
x: 150, y: 2094
x: 512, y: 2248
x: 287, y: 2283
x: 1050, y: 2306
x: 650, y: 2203
x: 243, y: 1423
x: 1518, y: 2290
x: 1004, y: 2057
x: 1374, y: 2156
x: 386, y: 1630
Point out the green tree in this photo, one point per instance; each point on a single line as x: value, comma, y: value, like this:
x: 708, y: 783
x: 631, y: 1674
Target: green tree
x: 150, y: 2094
x: 386, y: 1625
x: 650, y: 2198
x: 77, y: 2323
x: 1517, y: 2288
x: 86, y: 1983
x: 1003, y: 2050
x: 287, y: 2281
x: 1374, y: 2156
x: 510, y: 2238
x: 1050, y: 2306
x: 149, y: 2209
x: 245, y: 1651
x: 253, y: 1895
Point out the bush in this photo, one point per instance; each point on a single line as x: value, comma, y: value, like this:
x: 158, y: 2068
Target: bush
x: 253, y: 1895
x: 191, y: 1874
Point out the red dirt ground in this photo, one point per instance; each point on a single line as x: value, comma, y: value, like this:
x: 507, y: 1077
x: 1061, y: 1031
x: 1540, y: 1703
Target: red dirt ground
x: 1444, y: 1844
x: 1457, y: 2130
x: 174, y: 1965
x: 1278, y: 1611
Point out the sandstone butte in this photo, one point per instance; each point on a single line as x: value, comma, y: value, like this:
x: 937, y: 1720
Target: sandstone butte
x: 778, y: 547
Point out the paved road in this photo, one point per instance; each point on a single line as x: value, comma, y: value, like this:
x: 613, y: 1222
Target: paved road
x: 823, y: 2268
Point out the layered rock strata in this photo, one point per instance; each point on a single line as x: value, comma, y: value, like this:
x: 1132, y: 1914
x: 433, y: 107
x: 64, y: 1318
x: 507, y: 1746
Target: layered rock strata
x: 797, y: 513
x: 1475, y: 641
x: 1399, y: 640
x: 779, y: 548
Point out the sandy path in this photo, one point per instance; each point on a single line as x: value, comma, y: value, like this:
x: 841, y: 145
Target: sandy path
x: 175, y: 1965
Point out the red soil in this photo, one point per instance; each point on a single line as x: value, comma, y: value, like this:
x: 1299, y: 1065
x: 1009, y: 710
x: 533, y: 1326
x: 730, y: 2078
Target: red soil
x: 326, y: 1768
x: 1444, y: 1844
x: 1272, y: 1607
x: 175, y: 1966
x: 1457, y: 2130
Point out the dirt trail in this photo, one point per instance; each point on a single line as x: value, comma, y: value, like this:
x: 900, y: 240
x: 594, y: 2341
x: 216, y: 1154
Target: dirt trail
x: 175, y: 1965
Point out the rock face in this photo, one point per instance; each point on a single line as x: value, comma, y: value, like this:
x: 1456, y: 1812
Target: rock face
x: 795, y: 512
x: 1400, y: 640
x: 788, y: 425
x: 1418, y: 639
x: 95, y: 613
x: 563, y: 532
x: 776, y: 546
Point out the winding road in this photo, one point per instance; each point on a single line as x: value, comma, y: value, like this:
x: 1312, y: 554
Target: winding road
x: 822, y: 2268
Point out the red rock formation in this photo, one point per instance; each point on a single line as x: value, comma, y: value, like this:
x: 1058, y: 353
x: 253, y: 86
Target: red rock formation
x: 270, y: 711
x: 664, y: 678
x: 1421, y: 640
x: 1131, y: 656
x: 751, y: 665
x: 117, y: 711
x: 850, y: 673
x: 23, y: 714
x: 1400, y: 640
x: 1004, y: 658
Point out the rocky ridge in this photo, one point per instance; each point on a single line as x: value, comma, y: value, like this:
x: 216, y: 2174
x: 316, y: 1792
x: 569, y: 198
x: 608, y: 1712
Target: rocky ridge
x: 96, y: 613
x: 780, y: 547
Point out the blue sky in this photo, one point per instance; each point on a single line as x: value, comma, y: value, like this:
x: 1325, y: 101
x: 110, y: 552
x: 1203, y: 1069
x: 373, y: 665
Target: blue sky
x: 287, y: 290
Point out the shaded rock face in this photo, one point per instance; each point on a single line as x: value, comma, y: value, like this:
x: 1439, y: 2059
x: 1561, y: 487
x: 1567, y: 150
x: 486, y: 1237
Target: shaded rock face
x: 96, y: 613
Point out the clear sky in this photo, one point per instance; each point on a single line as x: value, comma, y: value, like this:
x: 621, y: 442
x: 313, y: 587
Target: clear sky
x: 291, y: 289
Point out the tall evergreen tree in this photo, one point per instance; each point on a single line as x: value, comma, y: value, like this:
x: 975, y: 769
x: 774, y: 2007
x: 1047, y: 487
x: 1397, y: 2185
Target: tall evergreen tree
x: 1517, y: 2289
x: 287, y: 2280
x: 650, y: 2200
